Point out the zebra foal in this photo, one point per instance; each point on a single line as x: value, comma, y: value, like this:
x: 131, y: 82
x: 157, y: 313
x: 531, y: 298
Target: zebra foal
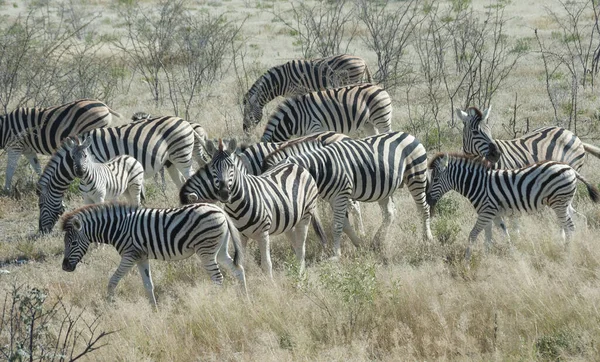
x: 299, y: 77
x: 283, y: 200
x: 343, y: 110
x: 141, y: 234
x: 106, y: 181
x: 495, y: 193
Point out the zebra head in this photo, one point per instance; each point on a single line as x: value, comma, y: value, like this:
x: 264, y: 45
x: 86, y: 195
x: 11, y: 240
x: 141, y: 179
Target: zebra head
x: 51, y: 209
x: 76, y: 242
x: 252, y: 113
x: 222, y: 167
x: 81, y: 157
x: 438, y: 179
x: 140, y: 116
x: 477, y: 136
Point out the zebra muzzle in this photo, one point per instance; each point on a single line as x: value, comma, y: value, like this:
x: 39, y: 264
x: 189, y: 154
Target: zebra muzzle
x: 66, y: 266
x: 493, y: 154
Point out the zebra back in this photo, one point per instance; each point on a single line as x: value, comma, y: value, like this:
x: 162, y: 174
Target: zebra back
x: 546, y: 143
x: 343, y: 110
x: 43, y: 129
x: 298, y: 77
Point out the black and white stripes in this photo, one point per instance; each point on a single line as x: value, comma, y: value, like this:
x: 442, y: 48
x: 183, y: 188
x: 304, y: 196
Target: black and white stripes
x: 343, y: 110
x: 140, y: 234
x: 32, y: 131
x: 495, y: 193
x: 299, y: 77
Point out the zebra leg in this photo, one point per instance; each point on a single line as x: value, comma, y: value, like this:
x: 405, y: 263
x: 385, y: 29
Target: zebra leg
x: 209, y: 263
x: 417, y: 190
x: 483, y: 220
x: 224, y: 258
x: 341, y: 223
x: 124, y: 267
x: 499, y: 222
x: 144, y: 268
x: 12, y: 158
x: 265, y: 254
x: 388, y: 210
x: 488, y: 238
x: 348, y: 230
x: 179, y: 177
x: 357, y: 215
x: 566, y: 222
x: 572, y: 212
x: 297, y: 237
x: 34, y: 162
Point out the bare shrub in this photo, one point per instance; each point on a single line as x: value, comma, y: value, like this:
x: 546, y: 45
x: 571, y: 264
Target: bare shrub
x: 32, y: 330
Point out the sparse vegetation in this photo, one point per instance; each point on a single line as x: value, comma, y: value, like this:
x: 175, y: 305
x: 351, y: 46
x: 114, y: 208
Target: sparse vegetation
x: 533, y: 299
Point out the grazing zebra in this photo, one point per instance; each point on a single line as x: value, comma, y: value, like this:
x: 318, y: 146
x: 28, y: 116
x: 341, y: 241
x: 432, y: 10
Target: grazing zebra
x: 299, y: 77
x: 168, y: 141
x: 547, y: 143
x: 495, y: 193
x: 365, y: 170
x: 106, y: 181
x: 32, y: 131
x: 343, y: 110
x: 252, y: 157
x: 140, y: 234
x: 283, y: 200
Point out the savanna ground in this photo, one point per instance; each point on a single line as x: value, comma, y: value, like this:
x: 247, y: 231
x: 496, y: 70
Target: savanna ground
x: 531, y: 299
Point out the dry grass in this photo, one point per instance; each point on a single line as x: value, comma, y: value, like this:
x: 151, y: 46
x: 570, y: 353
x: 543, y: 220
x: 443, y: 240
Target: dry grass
x: 532, y: 299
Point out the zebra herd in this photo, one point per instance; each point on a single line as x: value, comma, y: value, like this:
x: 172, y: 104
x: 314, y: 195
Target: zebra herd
x: 272, y: 187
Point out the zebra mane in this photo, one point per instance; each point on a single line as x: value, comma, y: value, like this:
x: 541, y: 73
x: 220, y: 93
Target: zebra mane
x: 296, y: 143
x: 66, y: 219
x: 472, y: 159
x: 60, y: 151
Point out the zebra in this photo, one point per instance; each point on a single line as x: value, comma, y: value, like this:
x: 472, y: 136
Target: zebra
x: 283, y: 200
x: 299, y: 77
x: 343, y: 110
x: 32, y: 131
x: 252, y: 157
x: 365, y: 170
x: 168, y: 141
x: 140, y: 234
x: 199, y: 146
x: 546, y: 143
x: 495, y: 193
x: 106, y: 181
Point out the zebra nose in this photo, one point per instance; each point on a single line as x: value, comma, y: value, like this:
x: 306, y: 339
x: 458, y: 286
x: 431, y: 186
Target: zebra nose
x: 224, y: 194
x: 66, y: 266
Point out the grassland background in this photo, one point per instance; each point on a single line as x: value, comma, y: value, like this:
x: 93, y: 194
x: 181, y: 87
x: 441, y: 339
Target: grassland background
x: 528, y: 300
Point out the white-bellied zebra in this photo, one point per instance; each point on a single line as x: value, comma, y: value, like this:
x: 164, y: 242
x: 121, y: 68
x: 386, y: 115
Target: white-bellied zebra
x: 299, y: 77
x: 543, y: 144
x: 106, y: 181
x: 32, y: 131
x: 495, y: 193
x: 253, y: 155
x: 140, y: 234
x: 155, y: 143
x: 283, y: 200
x: 343, y: 110
x: 365, y: 170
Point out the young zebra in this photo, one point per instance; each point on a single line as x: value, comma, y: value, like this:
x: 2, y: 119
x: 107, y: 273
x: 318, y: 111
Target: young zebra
x: 299, y: 77
x: 365, y: 170
x: 140, y: 234
x: 495, y: 193
x: 106, y: 181
x: 32, y: 131
x: 343, y: 110
x: 252, y: 157
x: 547, y: 143
x: 168, y: 141
x: 283, y: 200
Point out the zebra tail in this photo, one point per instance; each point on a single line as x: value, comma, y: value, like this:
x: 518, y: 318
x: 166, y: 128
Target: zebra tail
x: 592, y: 149
x: 143, y: 193
x: 200, y: 149
x: 238, y: 252
x: 316, y: 224
x: 118, y: 115
x: 368, y: 74
x: 592, y: 190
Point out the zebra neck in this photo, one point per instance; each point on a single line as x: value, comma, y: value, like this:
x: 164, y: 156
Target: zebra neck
x: 470, y: 180
x: 112, y: 228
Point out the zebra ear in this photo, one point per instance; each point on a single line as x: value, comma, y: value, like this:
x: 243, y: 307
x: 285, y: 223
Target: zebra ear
x: 486, y: 114
x: 444, y: 161
x: 210, y: 147
x: 86, y: 142
x: 462, y: 115
x: 232, y: 145
x: 76, y: 223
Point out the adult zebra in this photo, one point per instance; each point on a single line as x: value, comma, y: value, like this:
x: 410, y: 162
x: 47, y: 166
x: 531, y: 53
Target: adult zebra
x: 167, y: 141
x: 365, y: 170
x: 495, y: 193
x: 299, y: 77
x: 32, y: 131
x: 546, y: 143
x: 283, y: 200
x: 101, y: 181
x: 343, y: 110
x: 140, y: 234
